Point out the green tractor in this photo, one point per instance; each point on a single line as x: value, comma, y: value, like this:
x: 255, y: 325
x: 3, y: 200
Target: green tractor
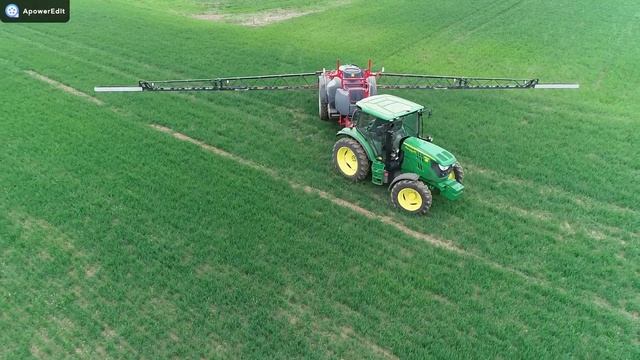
x: 385, y: 140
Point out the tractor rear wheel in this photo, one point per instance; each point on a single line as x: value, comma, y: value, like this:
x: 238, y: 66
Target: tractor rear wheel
x: 323, y: 109
x: 457, y: 173
x: 350, y: 160
x: 412, y: 196
x: 323, y: 101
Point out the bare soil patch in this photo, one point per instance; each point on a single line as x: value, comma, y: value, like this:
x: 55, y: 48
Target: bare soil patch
x: 267, y: 17
x: 255, y: 19
x: 90, y: 271
x: 36, y: 352
x: 210, y: 17
x: 270, y: 17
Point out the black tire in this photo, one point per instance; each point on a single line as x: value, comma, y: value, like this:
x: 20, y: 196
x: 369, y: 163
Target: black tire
x: 323, y: 101
x: 324, y: 111
x: 405, y: 201
x: 353, y: 163
x: 458, y: 172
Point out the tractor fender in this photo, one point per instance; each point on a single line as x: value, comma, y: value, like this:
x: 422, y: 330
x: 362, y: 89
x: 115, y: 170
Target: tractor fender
x: 404, y: 176
x: 355, y: 135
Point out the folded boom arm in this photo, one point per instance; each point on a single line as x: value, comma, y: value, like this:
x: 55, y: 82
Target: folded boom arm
x: 392, y: 81
x: 237, y: 83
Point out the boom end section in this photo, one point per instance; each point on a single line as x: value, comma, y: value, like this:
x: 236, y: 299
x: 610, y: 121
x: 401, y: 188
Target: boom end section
x: 117, y: 88
x: 557, y: 86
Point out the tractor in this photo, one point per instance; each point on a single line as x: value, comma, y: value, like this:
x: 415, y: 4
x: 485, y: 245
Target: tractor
x: 385, y: 139
x: 380, y: 135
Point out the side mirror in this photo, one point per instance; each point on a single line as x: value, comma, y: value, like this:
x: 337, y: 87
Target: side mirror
x: 421, y: 133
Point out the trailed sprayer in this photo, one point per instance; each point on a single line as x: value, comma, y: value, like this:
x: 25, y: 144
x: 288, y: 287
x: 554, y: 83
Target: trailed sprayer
x: 381, y: 135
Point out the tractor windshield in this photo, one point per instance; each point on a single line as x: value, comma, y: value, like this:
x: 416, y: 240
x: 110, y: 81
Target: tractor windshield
x: 411, y: 123
x: 403, y: 127
x: 372, y: 128
x: 385, y: 136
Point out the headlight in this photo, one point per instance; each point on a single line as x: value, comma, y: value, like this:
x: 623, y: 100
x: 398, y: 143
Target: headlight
x: 441, y: 171
x: 444, y: 168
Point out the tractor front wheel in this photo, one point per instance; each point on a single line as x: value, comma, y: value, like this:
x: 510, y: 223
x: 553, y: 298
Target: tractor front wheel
x: 412, y: 196
x: 350, y: 160
x: 457, y: 173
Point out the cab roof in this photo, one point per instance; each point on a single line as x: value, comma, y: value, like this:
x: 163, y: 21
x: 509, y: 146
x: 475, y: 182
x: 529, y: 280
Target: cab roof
x: 388, y: 107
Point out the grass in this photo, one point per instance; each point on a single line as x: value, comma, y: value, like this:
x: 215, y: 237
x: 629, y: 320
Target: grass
x: 120, y: 241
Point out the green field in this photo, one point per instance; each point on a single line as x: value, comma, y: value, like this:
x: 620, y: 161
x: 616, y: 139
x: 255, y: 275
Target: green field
x: 121, y: 241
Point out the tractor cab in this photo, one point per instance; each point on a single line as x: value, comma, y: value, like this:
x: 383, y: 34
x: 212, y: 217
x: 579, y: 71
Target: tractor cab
x: 385, y: 121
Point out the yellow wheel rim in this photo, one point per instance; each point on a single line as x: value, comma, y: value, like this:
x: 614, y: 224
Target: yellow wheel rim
x: 409, y: 199
x: 347, y: 161
x: 452, y: 175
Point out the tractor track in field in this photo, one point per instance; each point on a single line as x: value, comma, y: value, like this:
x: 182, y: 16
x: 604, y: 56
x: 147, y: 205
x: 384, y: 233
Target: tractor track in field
x: 462, y: 19
x: 50, y: 234
x: 63, y: 87
x: 579, y: 200
x: 102, y: 53
x: 494, y: 17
